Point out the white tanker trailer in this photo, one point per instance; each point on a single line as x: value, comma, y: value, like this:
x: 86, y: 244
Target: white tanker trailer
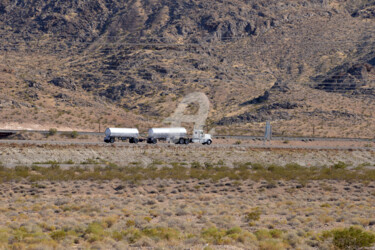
x: 121, y: 134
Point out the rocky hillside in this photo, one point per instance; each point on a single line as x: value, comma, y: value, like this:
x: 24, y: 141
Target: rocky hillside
x: 73, y: 63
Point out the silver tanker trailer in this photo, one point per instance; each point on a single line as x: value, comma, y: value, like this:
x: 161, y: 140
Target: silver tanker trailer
x: 121, y: 134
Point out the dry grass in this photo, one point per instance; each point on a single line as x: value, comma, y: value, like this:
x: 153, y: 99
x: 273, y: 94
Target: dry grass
x: 103, y: 170
x: 251, y: 205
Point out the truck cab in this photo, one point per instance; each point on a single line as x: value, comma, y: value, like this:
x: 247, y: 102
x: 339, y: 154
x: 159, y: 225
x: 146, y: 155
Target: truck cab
x: 200, y: 137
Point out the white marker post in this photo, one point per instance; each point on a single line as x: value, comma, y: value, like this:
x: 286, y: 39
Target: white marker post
x: 268, y: 132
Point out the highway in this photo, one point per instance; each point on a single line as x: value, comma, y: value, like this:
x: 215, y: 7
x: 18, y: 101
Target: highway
x: 239, y: 137
x: 254, y: 142
x: 265, y: 145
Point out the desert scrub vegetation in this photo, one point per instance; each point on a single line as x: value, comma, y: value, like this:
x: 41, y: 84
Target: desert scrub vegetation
x: 98, y: 231
x: 179, y: 171
x: 350, y: 238
x: 52, y: 132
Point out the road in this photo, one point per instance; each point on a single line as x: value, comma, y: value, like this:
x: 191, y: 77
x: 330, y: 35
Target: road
x: 265, y: 145
x: 239, y: 137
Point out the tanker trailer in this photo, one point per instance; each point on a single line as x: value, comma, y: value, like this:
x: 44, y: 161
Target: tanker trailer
x: 121, y: 134
x: 176, y: 135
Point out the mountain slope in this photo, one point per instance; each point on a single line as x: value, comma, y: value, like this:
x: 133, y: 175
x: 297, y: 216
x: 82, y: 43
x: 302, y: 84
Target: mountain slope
x: 137, y: 59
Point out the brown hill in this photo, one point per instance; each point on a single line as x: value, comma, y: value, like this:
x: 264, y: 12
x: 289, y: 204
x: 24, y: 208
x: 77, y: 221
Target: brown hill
x: 306, y: 65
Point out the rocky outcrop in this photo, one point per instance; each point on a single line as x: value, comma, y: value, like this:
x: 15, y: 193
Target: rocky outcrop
x: 63, y: 82
x: 354, y: 78
x: 367, y: 13
x: 124, y: 51
x: 272, y: 112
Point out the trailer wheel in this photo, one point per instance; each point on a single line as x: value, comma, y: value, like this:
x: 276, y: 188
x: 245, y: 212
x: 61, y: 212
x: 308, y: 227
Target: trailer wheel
x: 135, y: 140
x: 181, y: 141
x: 209, y: 142
x: 154, y: 141
x: 112, y: 140
x: 187, y: 141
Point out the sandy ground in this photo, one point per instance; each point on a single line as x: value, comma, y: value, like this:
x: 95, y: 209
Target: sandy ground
x: 180, y: 214
x: 299, y: 214
x: 124, y: 154
x: 31, y: 126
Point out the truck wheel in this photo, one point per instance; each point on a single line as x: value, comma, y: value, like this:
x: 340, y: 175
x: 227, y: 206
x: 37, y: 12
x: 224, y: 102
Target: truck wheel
x: 112, y: 140
x: 209, y: 142
x: 187, y: 141
x: 131, y: 140
x: 181, y: 141
x: 154, y: 141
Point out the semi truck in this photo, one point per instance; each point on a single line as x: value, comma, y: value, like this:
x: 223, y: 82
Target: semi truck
x: 175, y: 135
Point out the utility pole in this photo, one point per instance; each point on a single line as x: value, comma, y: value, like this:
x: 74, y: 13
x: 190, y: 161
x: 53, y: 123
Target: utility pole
x: 268, y: 132
x: 313, y: 130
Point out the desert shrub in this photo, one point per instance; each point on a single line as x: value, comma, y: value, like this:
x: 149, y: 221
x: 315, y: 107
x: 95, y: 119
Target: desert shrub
x: 74, y: 134
x: 242, y: 166
x: 352, y: 238
x: 132, y: 235
x: 4, y: 236
x: 340, y: 165
x: 58, y: 235
x: 274, y: 168
x: 276, y: 233
x: 208, y: 165
x: 196, y: 164
x: 28, y: 236
x: 95, y: 228
x: 263, y: 234
x: 130, y: 223
x: 257, y: 166
x: 254, y: 215
x: 293, y: 166
x: 52, y: 131
x: 157, y: 162
x: 117, y: 235
x: 234, y: 230
x: 148, y: 218
x: 271, y: 244
x: 110, y: 221
x: 21, y: 171
x: 220, y: 163
x: 214, y: 235
x: 163, y: 233
x: 89, y: 161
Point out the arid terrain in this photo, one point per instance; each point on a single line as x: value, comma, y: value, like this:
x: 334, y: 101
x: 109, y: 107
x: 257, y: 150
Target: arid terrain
x: 227, y: 196
x: 229, y: 151
x: 181, y: 214
x: 307, y: 66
